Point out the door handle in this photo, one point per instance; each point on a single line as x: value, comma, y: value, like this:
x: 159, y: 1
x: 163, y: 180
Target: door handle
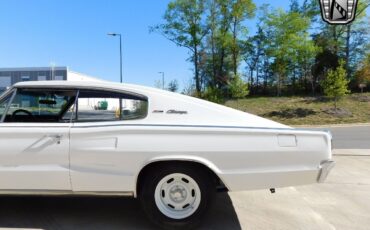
x: 56, y: 137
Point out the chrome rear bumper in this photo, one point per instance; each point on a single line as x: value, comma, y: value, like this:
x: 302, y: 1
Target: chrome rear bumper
x: 325, y: 168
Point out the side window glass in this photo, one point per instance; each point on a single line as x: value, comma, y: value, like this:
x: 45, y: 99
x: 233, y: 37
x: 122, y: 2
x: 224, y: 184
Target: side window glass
x: 134, y: 108
x: 97, y: 106
x: 109, y: 106
x: 40, y: 105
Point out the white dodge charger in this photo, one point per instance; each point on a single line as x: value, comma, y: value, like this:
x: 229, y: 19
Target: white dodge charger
x: 171, y: 151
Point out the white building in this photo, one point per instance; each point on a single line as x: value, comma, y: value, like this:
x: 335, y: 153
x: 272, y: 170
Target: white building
x: 10, y: 76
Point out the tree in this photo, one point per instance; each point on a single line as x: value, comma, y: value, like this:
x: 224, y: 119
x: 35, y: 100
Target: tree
x: 241, y: 10
x: 185, y: 26
x: 302, y: 68
x: 294, y: 6
x: 173, y: 86
x: 363, y: 73
x: 306, y: 53
x: 225, y: 21
x: 311, y: 9
x: 212, y: 22
x: 335, y: 84
x: 238, y: 88
x: 292, y: 50
x: 354, y: 37
x: 254, y: 49
x: 189, y: 88
x: 287, y: 44
x: 325, y: 60
x: 218, y: 42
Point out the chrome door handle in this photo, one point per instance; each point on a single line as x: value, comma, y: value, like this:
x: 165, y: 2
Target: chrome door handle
x: 56, y: 137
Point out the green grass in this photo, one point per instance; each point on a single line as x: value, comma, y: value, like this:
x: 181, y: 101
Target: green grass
x: 354, y: 108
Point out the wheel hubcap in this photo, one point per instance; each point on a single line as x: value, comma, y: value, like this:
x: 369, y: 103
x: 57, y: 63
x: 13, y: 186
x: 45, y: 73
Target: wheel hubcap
x: 177, y: 196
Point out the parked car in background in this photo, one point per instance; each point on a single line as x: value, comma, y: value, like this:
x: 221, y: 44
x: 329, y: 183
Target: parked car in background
x: 171, y: 151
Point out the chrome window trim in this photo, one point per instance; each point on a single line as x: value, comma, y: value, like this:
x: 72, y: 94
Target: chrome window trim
x: 75, y: 109
x: 6, y: 93
x: 8, y: 106
x: 121, y: 93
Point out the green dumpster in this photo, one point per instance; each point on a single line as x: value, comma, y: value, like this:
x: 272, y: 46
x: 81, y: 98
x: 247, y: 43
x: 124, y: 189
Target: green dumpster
x: 102, y: 105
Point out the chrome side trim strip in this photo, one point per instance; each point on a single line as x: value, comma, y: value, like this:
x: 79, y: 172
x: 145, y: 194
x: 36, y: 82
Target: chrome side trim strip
x: 160, y: 125
x: 182, y: 126
x: 169, y: 125
x: 62, y: 193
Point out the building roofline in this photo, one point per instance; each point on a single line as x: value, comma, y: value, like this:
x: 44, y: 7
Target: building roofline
x: 34, y: 68
x: 85, y: 75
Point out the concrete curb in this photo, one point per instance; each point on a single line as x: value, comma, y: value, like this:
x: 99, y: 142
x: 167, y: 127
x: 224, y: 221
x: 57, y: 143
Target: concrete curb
x: 332, y: 126
x: 351, y: 152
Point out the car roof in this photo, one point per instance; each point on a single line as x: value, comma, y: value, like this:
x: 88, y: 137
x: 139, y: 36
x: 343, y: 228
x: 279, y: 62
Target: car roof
x: 90, y: 85
x: 75, y: 84
x: 199, y: 111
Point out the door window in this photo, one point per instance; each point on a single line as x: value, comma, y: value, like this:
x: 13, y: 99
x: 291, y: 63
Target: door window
x: 39, y: 105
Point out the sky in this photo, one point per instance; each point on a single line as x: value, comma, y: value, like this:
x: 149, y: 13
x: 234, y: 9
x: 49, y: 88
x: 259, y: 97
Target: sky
x: 73, y: 33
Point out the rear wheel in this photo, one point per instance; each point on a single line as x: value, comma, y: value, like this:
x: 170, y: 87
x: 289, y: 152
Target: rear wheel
x: 176, y: 196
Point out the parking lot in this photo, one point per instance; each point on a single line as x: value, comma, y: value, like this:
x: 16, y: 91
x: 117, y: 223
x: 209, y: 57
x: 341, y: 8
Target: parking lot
x: 342, y: 202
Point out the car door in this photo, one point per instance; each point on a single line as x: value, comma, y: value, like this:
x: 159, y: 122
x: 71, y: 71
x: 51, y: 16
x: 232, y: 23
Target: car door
x: 99, y: 162
x: 34, y: 139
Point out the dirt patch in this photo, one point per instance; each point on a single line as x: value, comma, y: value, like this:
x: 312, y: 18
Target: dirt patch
x: 338, y: 112
x: 291, y: 113
x: 361, y: 98
x: 278, y: 100
x: 316, y: 99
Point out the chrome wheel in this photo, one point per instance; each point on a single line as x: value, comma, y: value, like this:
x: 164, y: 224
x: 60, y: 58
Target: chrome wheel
x: 177, y: 196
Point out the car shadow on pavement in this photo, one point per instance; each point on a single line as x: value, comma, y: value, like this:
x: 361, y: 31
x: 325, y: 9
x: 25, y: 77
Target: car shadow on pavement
x: 97, y: 213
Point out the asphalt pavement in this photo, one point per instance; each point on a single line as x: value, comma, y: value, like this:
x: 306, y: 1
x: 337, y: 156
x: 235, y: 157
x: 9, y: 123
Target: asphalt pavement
x: 350, y: 137
x: 342, y: 202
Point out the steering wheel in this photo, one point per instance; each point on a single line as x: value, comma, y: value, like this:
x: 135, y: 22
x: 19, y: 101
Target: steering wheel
x: 28, y: 113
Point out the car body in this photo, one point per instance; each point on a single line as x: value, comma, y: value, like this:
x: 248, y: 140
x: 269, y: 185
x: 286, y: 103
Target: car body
x: 92, y: 138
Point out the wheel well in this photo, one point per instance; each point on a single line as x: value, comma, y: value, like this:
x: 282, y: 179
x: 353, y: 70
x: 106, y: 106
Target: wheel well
x: 219, y: 185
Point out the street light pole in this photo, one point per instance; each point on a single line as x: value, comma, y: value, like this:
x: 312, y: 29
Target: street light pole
x: 162, y: 79
x: 120, y: 52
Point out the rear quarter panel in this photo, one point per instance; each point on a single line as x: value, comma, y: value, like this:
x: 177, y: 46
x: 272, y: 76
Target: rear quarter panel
x: 243, y: 158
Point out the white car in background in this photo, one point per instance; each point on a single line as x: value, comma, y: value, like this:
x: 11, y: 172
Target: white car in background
x: 171, y: 151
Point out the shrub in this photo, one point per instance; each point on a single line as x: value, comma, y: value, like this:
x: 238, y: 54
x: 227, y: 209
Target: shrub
x: 213, y: 94
x: 238, y: 88
x: 335, y: 84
